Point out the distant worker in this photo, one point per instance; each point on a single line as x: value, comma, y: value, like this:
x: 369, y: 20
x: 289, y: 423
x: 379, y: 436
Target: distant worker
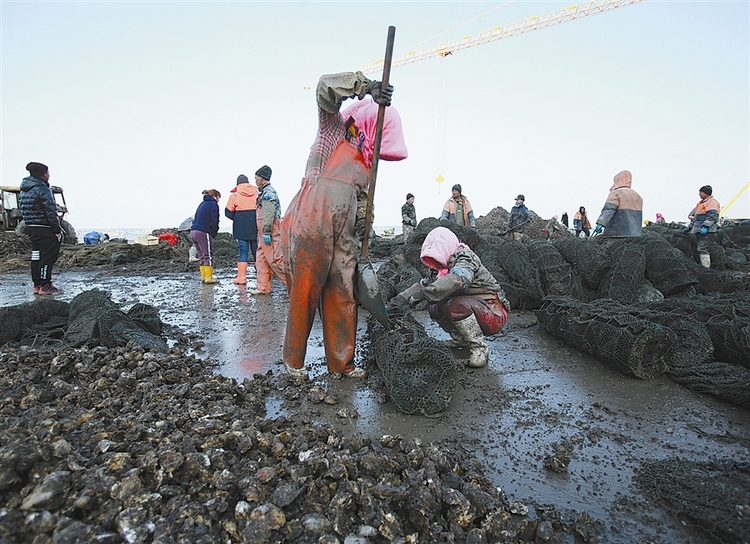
x: 564, y: 220
x: 519, y: 217
x: 659, y: 219
x: 203, y: 232
x: 269, y: 260
x: 581, y: 223
x: 319, y: 233
x: 622, y: 214
x: 95, y: 238
x: 464, y: 297
x: 408, y: 216
x: 42, y: 225
x: 241, y: 209
x: 704, y: 223
x: 554, y: 229
x: 458, y: 210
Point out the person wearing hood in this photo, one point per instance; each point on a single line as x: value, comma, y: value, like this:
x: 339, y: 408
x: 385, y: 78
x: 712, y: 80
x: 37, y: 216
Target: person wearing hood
x: 42, y: 226
x: 463, y: 296
x: 660, y: 219
x: 204, y: 229
x: 268, y: 260
x: 241, y: 209
x: 458, y: 209
x: 704, y: 222
x: 622, y: 214
x: 581, y: 222
x: 519, y: 217
x: 319, y: 232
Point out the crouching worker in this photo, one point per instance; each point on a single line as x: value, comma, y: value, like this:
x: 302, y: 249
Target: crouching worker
x: 463, y: 296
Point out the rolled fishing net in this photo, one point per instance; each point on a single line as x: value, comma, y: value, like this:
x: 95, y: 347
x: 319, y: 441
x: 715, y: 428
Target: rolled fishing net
x: 666, y: 268
x: 558, y: 278
x: 591, y: 261
x: 419, y: 372
x: 712, y: 495
x: 510, y: 259
x: 623, y: 281
x: 605, y: 330
x: 32, y: 319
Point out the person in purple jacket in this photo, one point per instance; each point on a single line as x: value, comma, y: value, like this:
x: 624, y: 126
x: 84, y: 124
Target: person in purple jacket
x: 203, y: 231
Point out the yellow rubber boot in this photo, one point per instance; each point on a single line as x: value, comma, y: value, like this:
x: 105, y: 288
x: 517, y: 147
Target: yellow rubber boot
x: 203, y: 273
x: 210, y: 275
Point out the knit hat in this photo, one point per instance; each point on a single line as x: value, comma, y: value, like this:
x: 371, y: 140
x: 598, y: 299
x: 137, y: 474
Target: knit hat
x: 521, y: 197
x: 264, y: 172
x: 409, y: 195
x: 37, y: 169
x: 456, y: 187
x: 242, y: 178
x: 705, y: 189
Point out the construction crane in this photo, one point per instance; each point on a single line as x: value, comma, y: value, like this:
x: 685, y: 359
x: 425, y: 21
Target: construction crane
x: 564, y: 15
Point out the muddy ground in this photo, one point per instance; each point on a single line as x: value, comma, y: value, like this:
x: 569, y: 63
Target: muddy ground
x: 538, y: 401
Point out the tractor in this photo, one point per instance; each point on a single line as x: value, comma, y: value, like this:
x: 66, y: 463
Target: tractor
x: 11, y: 218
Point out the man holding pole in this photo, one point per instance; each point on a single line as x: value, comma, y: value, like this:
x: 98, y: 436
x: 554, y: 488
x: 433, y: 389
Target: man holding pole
x: 319, y: 237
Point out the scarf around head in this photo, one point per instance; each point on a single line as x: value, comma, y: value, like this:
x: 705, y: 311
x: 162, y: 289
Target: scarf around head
x: 365, y: 115
x: 438, y: 248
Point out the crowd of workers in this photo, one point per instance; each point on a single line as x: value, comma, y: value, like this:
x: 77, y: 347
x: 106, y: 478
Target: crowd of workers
x: 314, y: 249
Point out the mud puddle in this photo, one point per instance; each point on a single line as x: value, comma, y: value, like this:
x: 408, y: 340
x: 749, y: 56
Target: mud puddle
x: 551, y: 426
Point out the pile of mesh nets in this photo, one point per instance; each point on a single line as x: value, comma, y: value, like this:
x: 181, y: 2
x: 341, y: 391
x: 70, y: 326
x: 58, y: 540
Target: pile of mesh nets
x: 419, y: 372
x: 713, y: 495
x: 90, y: 319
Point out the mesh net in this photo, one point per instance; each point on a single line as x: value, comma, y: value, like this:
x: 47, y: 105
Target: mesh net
x: 624, y: 280
x: 508, y: 262
x: 419, y: 372
x: 713, y: 495
x: 590, y: 261
x: 665, y: 266
x: 16, y: 320
x: 605, y: 330
x: 558, y: 278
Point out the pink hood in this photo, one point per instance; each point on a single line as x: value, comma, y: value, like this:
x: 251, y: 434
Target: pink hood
x: 438, y: 248
x: 365, y: 115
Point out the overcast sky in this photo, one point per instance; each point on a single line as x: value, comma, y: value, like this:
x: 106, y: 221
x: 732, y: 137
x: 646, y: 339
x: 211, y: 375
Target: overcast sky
x: 136, y: 107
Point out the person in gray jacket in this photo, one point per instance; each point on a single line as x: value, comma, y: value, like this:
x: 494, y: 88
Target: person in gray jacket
x: 42, y: 225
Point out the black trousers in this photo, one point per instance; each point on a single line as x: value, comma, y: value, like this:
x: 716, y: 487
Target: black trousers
x: 45, y: 248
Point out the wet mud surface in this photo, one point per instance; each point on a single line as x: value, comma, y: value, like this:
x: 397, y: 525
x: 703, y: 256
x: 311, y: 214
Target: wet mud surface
x: 553, y: 428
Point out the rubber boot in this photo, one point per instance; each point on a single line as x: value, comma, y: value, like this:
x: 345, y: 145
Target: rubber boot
x: 456, y: 341
x: 203, y: 273
x: 210, y: 275
x: 705, y: 260
x: 241, y: 278
x: 473, y: 336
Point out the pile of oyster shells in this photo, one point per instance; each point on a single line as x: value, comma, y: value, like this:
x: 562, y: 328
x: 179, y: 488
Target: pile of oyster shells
x: 126, y: 445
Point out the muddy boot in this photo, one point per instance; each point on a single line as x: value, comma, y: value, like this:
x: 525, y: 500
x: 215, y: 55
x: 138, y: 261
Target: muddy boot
x: 705, y: 260
x: 470, y: 330
x: 456, y: 341
x: 241, y: 278
x: 209, y: 279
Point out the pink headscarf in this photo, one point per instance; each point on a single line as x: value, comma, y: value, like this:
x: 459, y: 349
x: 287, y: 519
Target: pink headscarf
x: 365, y: 115
x: 438, y: 248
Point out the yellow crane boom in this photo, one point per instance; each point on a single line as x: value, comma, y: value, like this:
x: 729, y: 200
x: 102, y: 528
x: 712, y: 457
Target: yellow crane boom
x: 498, y: 33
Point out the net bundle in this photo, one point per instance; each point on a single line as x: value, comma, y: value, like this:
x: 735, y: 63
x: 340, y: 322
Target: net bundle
x: 605, y: 330
x: 624, y: 280
x: 590, y: 261
x: 508, y: 261
x: 419, y: 372
x: 15, y: 321
x: 712, y: 495
x: 558, y: 278
x: 665, y: 266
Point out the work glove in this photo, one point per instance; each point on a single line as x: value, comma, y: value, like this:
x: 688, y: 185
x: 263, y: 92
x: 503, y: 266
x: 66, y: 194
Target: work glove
x: 704, y: 230
x: 416, y: 298
x: 381, y: 96
x: 397, y: 302
x: 598, y: 228
x: 687, y: 229
x: 267, y: 239
x: 413, y: 222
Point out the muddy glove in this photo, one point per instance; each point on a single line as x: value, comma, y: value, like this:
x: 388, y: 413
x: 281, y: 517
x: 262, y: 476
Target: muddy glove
x: 598, y: 228
x: 704, y: 230
x: 397, y: 302
x: 416, y: 298
x: 413, y: 222
x: 381, y: 96
x: 266, y: 239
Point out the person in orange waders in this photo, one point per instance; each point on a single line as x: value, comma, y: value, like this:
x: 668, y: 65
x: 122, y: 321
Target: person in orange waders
x: 319, y: 230
x: 268, y: 259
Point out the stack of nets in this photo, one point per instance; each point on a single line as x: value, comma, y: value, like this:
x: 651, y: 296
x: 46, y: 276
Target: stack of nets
x: 624, y: 280
x: 419, y: 372
x: 93, y: 319
x: 508, y: 262
x: 36, y: 319
x: 605, y: 330
x: 712, y: 495
x: 666, y: 267
x: 591, y: 261
x: 558, y: 278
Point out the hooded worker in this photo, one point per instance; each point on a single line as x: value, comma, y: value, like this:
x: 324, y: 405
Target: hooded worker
x: 458, y: 209
x: 241, y: 209
x: 622, y: 214
x: 319, y: 230
x: 464, y: 297
x: 269, y: 260
x: 704, y: 222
